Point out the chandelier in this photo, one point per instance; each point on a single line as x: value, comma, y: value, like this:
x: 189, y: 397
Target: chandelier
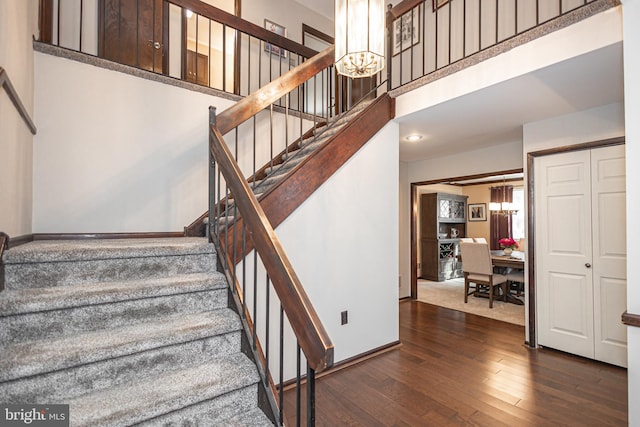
x: 359, y: 37
x: 501, y: 201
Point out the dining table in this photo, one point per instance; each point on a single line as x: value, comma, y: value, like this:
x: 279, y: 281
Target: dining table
x: 514, y: 260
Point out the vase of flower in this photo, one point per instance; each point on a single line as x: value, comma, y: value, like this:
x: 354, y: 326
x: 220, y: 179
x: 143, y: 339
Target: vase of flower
x: 508, y: 245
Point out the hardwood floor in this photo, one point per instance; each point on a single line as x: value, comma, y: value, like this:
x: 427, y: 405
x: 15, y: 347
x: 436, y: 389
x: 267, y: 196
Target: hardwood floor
x: 460, y: 369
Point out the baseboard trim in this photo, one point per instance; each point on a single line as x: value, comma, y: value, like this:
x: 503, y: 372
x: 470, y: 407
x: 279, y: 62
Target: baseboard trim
x: 85, y: 236
x: 288, y: 385
x: 21, y: 240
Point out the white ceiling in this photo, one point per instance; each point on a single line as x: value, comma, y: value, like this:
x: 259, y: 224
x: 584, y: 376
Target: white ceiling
x: 495, y: 115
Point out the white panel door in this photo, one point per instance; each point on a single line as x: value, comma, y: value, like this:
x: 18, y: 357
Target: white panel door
x: 609, y: 253
x: 563, y: 252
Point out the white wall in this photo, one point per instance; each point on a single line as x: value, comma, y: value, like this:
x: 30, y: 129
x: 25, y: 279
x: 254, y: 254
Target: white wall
x: 343, y: 243
x: 489, y: 159
x: 404, y: 210
x: 117, y: 153
x: 18, y: 23
x: 288, y: 13
x: 592, y: 125
x: 631, y: 16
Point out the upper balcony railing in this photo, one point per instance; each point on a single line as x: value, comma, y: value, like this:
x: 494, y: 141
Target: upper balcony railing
x: 193, y: 41
x: 426, y: 36
x: 189, y: 40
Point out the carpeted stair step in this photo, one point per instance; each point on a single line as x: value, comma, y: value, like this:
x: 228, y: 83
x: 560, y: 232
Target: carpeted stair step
x: 299, y: 151
x: 31, y: 358
x: 75, y: 320
x: 254, y: 418
x: 287, y: 166
x: 57, y: 370
x: 29, y: 300
x: 234, y: 409
x: 297, y: 154
x: 55, y: 263
x: 306, y: 149
x: 293, y: 157
x: 125, y: 332
x: 162, y: 394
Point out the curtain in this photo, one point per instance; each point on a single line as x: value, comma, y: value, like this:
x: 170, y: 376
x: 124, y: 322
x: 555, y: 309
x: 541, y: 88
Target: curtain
x: 501, y: 225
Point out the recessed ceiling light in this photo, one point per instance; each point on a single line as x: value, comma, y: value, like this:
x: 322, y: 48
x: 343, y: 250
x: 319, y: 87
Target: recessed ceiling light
x: 414, y: 137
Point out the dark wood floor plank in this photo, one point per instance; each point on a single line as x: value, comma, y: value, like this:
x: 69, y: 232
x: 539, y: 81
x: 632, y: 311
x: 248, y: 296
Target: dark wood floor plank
x: 458, y: 369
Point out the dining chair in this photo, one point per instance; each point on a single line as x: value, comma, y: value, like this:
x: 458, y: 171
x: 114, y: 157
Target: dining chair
x: 478, y: 269
x: 515, y: 277
x: 466, y: 239
x: 480, y: 240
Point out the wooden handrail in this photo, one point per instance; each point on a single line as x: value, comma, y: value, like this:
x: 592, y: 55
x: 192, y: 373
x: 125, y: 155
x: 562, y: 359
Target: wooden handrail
x: 13, y: 96
x: 312, y: 337
x: 240, y: 24
x: 401, y: 8
x: 631, y: 319
x: 271, y: 92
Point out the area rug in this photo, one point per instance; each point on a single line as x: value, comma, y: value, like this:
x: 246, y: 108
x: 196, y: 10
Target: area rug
x: 450, y: 294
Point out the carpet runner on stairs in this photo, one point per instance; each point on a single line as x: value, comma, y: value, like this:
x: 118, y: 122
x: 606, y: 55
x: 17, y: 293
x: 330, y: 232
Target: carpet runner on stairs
x: 125, y: 331
x: 285, y: 162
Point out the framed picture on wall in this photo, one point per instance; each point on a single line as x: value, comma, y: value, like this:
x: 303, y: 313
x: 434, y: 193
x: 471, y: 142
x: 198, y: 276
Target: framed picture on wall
x: 477, y: 212
x: 438, y: 4
x: 280, y: 30
x: 406, y: 31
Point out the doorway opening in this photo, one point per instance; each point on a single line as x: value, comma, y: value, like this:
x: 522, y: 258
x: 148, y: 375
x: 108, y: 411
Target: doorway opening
x: 436, y: 269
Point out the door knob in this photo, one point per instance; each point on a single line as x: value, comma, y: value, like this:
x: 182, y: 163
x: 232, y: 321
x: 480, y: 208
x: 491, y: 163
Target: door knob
x: 156, y: 45
x: 587, y: 265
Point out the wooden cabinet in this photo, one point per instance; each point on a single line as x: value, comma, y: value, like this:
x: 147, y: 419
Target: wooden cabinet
x: 442, y: 223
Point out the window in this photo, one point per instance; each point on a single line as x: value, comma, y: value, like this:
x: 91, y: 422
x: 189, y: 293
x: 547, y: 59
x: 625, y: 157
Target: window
x: 518, y: 219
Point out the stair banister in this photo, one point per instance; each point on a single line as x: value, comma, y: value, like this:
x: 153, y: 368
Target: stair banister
x: 13, y: 96
x: 268, y: 94
x: 4, y: 240
x: 313, y: 338
x: 237, y: 23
